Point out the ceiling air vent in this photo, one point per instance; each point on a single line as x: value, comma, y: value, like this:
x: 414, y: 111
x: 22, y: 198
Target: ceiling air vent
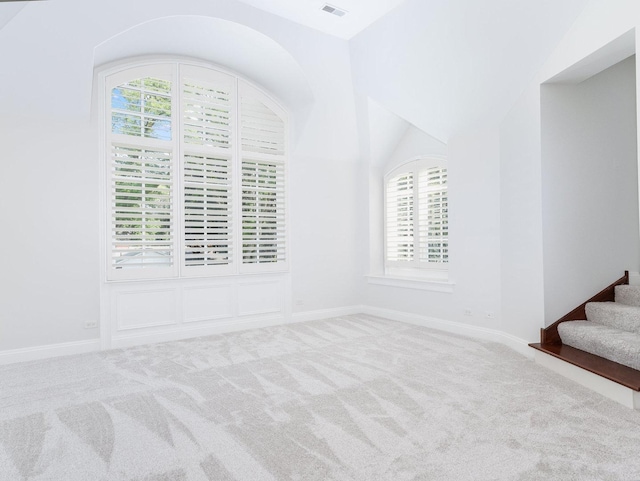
x: 338, y: 12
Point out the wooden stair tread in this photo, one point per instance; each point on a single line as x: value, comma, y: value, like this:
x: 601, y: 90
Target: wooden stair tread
x: 613, y: 371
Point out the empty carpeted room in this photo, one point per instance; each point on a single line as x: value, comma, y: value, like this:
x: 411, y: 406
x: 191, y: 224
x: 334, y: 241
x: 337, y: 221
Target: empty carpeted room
x: 305, y: 240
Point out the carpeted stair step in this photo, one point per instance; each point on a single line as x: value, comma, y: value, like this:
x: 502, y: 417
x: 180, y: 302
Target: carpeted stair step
x: 614, y: 314
x: 617, y: 345
x: 628, y: 295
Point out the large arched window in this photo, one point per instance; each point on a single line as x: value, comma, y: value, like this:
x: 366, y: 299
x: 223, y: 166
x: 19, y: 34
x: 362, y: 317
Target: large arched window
x: 416, y: 218
x: 195, y: 161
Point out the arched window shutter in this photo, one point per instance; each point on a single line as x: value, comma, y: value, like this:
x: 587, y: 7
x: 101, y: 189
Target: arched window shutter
x: 417, y: 216
x: 196, y: 173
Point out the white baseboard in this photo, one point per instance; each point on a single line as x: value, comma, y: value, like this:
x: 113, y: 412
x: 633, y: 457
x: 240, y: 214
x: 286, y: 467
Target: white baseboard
x: 519, y: 345
x: 48, y: 351
x: 617, y: 392
x: 326, y: 313
x: 185, y: 332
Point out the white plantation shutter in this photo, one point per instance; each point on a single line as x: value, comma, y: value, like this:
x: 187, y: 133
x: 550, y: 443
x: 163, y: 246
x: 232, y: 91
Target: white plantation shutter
x: 142, y: 216
x: 263, y: 152
x: 208, y: 110
x: 399, y: 212
x: 196, y: 174
x: 207, y: 216
x: 263, y: 220
x: 208, y: 104
x: 434, y: 211
x: 263, y: 130
x: 141, y: 178
x: 416, y: 216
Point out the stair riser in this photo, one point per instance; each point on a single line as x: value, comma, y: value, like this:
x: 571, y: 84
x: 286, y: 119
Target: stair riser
x: 628, y: 295
x: 614, y: 314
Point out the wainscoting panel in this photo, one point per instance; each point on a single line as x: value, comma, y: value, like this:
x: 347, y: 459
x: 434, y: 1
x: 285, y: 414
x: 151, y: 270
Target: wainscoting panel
x: 207, y: 303
x: 255, y: 298
x: 151, y: 311
x: 138, y: 309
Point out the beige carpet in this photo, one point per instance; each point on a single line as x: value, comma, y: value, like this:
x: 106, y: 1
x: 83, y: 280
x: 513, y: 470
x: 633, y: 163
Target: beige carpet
x: 352, y: 398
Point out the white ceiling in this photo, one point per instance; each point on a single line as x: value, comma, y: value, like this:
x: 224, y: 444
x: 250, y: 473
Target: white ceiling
x: 448, y: 66
x: 360, y: 13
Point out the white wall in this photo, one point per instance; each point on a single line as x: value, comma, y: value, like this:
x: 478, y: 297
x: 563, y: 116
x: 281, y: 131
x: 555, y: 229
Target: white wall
x: 454, y: 69
x: 522, y: 296
x: 415, y: 143
x: 430, y: 63
x: 49, y: 199
x: 589, y: 185
x: 523, y: 300
x: 326, y: 234
x: 473, y: 166
x: 507, y: 152
x: 49, y: 241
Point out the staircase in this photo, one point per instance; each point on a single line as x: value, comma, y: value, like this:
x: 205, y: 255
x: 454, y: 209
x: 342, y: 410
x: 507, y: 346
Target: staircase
x: 601, y: 336
x: 611, y: 330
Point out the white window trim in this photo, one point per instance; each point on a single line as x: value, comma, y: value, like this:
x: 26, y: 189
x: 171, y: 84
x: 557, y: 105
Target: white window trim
x: 102, y: 97
x: 413, y: 273
x: 433, y: 285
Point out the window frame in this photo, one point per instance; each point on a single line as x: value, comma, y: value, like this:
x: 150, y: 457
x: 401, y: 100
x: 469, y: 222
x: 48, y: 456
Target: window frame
x: 415, y: 268
x: 117, y: 73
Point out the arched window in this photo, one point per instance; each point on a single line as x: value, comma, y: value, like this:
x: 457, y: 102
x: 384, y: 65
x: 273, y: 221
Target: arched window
x: 416, y: 217
x: 195, y: 162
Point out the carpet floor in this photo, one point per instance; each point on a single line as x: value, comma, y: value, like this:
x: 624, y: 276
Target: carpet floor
x: 350, y: 398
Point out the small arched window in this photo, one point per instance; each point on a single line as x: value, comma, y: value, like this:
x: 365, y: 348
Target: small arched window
x: 195, y: 161
x: 417, y: 217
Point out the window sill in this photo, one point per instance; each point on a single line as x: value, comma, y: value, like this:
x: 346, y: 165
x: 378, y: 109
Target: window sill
x: 221, y: 276
x: 435, y: 285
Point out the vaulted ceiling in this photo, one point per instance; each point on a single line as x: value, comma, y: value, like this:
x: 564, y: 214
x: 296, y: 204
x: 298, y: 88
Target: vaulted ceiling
x: 447, y: 66
x: 359, y: 13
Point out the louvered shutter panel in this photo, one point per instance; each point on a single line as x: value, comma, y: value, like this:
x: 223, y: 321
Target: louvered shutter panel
x: 399, y: 218
x: 434, y: 212
x: 207, y: 211
x: 263, y: 220
x: 141, y: 192
x: 263, y: 167
x: 263, y: 130
x: 208, y: 108
x: 141, y: 179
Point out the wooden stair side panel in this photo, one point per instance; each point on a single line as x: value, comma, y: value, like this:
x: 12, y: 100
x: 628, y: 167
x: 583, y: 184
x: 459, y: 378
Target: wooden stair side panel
x: 549, y: 335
